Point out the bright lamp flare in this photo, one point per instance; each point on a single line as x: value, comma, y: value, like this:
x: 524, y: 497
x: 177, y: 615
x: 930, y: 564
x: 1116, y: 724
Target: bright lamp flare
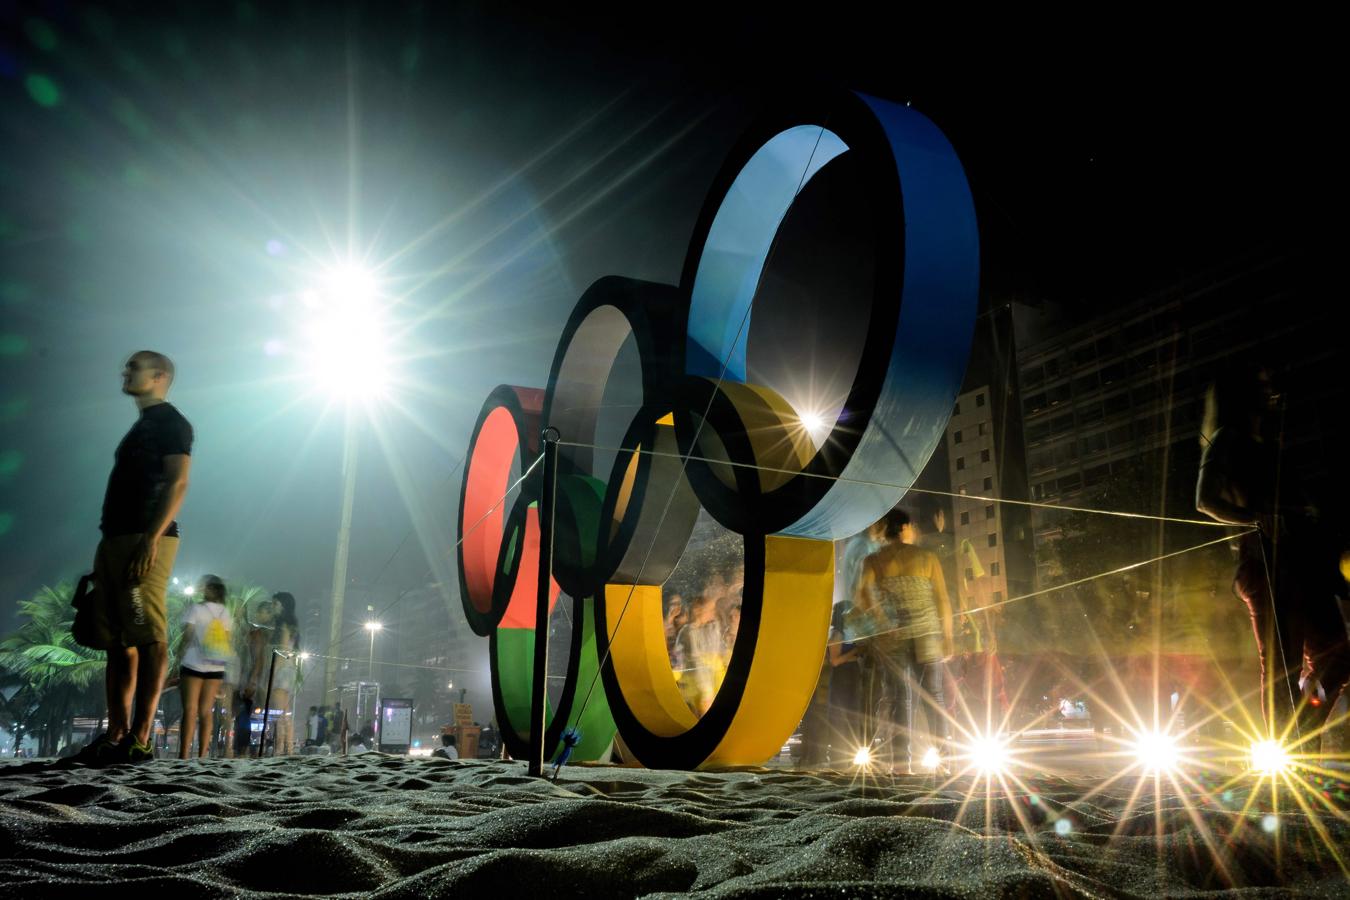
x: 863, y: 757
x: 813, y: 422
x: 1157, y: 751
x: 346, y: 352
x: 1269, y: 757
x: 189, y: 590
x: 373, y: 627
x: 931, y: 759
x: 989, y: 754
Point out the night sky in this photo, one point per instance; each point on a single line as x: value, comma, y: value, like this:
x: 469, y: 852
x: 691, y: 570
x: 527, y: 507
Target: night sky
x: 174, y: 179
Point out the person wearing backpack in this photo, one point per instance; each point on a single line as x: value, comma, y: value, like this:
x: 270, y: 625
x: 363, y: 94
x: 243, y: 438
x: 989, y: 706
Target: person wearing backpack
x: 207, y: 641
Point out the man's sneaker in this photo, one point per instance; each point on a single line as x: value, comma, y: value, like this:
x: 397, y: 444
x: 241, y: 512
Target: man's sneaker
x: 131, y: 751
x: 97, y: 753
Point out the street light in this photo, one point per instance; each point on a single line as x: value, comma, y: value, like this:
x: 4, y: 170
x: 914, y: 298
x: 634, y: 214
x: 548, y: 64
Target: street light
x: 1269, y: 758
x: 1157, y: 751
x: 372, y: 627
x: 345, y: 354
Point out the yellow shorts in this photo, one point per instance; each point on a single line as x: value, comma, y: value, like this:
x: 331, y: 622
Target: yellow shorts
x: 123, y: 612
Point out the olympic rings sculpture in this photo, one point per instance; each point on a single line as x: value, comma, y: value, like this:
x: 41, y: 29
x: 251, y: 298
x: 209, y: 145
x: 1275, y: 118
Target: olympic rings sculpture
x: 846, y: 224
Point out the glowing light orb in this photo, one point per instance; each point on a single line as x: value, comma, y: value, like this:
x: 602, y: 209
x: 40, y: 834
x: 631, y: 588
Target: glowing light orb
x: 304, y: 654
x: 189, y: 590
x: 931, y: 759
x: 1270, y: 823
x: 815, y: 424
x: 863, y: 757
x: 1269, y: 757
x: 373, y: 627
x: 346, y: 344
x: 989, y: 754
x: 1157, y: 751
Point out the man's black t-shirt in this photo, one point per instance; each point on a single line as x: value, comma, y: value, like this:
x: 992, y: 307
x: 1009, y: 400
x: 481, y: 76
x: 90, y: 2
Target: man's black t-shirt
x: 138, y: 480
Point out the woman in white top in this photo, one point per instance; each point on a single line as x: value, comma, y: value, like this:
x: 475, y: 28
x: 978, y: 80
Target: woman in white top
x: 206, y: 651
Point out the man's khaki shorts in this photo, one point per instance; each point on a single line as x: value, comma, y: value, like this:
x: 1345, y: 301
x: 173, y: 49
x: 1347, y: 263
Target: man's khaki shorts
x: 125, y: 613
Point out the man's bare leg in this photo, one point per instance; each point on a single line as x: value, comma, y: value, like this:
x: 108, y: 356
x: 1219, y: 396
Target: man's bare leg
x: 154, y: 663
x: 120, y: 683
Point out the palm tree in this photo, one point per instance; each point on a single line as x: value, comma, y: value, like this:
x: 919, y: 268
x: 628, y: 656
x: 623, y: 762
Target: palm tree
x: 57, y: 674
x: 19, y: 707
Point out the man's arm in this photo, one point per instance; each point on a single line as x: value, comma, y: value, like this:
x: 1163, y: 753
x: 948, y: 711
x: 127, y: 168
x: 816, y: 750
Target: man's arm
x: 1212, y: 499
x: 1214, y: 495
x: 175, y: 489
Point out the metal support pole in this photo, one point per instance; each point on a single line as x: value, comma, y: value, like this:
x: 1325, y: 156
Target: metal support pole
x: 267, y: 703
x: 539, y: 677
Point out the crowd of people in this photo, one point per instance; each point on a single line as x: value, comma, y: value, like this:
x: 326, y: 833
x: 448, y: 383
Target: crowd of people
x: 700, y: 634
x: 227, y: 670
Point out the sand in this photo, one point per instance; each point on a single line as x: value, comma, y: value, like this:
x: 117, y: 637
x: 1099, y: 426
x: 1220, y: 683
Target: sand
x: 384, y: 826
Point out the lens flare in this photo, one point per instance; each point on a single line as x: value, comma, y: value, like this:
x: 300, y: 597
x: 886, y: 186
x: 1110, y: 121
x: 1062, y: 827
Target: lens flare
x: 931, y: 759
x: 1269, y: 757
x: 1157, y: 751
x: 346, y: 344
x: 989, y: 754
x: 863, y: 757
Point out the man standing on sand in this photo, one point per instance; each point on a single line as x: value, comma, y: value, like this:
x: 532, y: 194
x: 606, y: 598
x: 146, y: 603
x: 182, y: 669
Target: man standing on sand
x: 903, y: 593
x: 126, y: 614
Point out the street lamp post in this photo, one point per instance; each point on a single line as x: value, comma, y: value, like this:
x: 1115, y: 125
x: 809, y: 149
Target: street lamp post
x: 372, y: 627
x: 344, y: 539
x: 345, y: 326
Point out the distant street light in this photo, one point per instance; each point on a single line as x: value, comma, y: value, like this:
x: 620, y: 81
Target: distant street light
x: 372, y: 627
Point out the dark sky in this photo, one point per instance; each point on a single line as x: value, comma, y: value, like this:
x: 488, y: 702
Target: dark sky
x: 495, y: 163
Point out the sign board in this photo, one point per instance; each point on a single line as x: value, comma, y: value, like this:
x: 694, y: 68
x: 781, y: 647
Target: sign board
x: 395, y: 723
x: 463, y: 713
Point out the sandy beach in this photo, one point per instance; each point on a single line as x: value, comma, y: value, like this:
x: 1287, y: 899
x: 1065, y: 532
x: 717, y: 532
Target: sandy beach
x: 386, y: 826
